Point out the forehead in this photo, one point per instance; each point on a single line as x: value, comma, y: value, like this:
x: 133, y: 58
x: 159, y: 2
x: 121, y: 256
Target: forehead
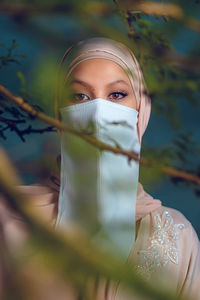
x: 99, y: 66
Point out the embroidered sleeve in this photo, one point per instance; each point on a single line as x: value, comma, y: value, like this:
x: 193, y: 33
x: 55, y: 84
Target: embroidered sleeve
x: 163, y: 247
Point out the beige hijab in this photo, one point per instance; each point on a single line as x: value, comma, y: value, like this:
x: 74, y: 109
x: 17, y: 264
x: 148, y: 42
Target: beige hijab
x: 46, y: 198
x: 119, y: 53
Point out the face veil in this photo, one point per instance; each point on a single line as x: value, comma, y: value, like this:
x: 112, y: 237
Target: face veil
x: 98, y: 192
x: 120, y: 54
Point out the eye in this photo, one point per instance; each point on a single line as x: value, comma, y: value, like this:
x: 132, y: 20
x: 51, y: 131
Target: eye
x: 81, y: 97
x: 117, y: 95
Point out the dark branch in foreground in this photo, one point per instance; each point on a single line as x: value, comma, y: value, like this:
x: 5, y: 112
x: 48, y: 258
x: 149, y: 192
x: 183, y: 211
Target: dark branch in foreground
x: 95, y: 142
x: 14, y: 125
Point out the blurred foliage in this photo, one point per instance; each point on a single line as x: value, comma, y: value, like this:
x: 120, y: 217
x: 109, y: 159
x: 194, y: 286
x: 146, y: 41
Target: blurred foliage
x: 10, y: 57
x: 150, y: 29
x: 13, y: 118
x: 69, y: 254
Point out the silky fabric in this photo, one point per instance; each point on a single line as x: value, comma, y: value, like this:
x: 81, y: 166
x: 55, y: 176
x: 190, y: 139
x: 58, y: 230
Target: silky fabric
x: 120, y: 54
x: 186, y: 275
x: 123, y: 56
x: 116, y: 178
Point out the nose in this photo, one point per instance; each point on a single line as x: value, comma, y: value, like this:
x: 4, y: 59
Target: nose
x: 99, y: 93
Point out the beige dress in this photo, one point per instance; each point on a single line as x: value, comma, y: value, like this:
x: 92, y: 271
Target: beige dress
x: 166, y: 247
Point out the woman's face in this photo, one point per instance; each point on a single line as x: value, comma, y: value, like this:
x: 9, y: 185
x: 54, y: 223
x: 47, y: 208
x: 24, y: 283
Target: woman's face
x: 102, y: 78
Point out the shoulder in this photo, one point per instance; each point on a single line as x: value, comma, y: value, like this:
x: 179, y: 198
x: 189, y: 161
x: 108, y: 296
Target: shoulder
x: 178, y: 228
x: 167, y: 230
x: 172, y: 217
x: 174, y: 233
x: 43, y: 199
x: 185, y: 246
x: 37, y: 190
x: 168, y: 244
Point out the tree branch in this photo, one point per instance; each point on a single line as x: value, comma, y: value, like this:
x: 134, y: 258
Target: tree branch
x: 11, y: 122
x: 12, y: 125
x: 59, y: 125
x: 161, y: 9
x: 95, y: 142
x: 145, y: 7
x: 26, y: 10
x: 62, y: 247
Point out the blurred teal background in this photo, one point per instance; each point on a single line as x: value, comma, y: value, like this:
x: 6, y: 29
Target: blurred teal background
x: 37, y: 44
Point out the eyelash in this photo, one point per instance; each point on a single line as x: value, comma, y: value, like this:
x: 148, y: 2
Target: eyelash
x: 123, y: 95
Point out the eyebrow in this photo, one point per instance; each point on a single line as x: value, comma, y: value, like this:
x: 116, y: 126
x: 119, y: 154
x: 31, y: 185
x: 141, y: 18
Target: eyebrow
x: 85, y: 84
x: 117, y: 81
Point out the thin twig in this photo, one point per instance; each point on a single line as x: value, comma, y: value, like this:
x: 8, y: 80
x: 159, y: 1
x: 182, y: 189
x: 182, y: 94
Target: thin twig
x: 95, y: 142
x: 129, y: 19
x: 59, y: 125
x: 11, y: 122
x: 170, y: 10
x: 63, y: 246
x: 146, y: 7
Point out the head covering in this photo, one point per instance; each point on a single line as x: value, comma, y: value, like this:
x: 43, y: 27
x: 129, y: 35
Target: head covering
x: 123, y: 56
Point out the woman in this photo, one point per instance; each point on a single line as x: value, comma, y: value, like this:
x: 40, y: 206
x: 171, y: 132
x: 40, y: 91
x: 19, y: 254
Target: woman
x: 107, y: 72
x: 102, y: 68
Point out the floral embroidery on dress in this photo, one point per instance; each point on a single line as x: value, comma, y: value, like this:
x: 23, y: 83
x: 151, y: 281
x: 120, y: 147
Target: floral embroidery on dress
x: 163, y: 246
